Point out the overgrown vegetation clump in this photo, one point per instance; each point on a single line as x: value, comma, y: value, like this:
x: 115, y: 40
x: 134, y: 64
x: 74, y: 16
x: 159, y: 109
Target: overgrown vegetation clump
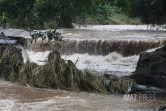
x: 57, y: 73
x: 123, y: 85
x: 10, y: 63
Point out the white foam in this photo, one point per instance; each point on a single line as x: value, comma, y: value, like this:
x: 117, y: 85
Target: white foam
x: 38, y: 57
x: 151, y: 50
x: 53, y: 104
x: 121, y: 27
x: 113, y: 62
x: 7, y: 104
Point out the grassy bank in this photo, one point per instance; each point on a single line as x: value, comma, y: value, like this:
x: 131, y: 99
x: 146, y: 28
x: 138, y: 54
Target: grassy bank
x: 114, y: 19
x: 123, y: 19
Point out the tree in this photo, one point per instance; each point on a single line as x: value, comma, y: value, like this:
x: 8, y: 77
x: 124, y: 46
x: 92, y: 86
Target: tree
x: 67, y: 10
x: 29, y: 12
x: 19, y: 11
x: 123, y: 4
x: 150, y: 11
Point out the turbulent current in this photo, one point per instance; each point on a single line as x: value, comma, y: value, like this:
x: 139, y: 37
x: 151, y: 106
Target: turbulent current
x: 101, y: 49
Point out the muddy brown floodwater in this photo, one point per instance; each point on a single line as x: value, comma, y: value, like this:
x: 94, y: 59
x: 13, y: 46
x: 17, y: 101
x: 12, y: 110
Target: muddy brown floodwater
x: 16, y: 97
x: 115, y: 32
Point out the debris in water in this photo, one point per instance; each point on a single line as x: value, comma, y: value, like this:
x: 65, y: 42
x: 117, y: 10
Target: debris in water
x: 58, y: 73
x: 10, y: 63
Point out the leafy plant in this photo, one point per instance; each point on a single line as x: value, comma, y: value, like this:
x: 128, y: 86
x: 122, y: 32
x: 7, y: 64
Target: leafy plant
x: 46, y: 35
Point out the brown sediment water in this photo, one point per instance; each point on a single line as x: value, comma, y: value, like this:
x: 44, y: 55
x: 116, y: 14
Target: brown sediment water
x: 102, y: 42
x: 15, y: 97
x: 99, y: 49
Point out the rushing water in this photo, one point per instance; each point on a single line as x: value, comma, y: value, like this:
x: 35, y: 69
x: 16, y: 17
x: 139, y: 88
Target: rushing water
x: 15, y: 97
x: 112, y: 63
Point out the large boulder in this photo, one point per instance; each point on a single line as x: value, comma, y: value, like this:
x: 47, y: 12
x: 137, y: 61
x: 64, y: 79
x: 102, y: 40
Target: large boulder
x: 151, y: 68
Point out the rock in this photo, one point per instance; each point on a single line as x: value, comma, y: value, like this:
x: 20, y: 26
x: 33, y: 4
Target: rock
x: 151, y: 68
x: 161, y: 108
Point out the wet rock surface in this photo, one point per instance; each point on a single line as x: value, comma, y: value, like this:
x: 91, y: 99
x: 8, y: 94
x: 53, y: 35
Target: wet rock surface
x: 151, y: 68
x: 161, y: 108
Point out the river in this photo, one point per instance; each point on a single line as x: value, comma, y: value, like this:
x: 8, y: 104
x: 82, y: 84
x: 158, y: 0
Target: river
x: 119, y: 62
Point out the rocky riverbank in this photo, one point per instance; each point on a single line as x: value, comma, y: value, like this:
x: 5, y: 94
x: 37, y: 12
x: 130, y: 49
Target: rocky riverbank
x: 151, y: 68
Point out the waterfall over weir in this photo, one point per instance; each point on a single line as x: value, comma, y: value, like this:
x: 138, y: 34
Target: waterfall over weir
x: 101, y: 40
x: 100, y: 47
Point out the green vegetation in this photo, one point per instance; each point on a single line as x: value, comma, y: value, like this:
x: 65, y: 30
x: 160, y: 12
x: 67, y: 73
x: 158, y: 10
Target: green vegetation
x: 105, y: 15
x: 35, y: 13
x: 124, y: 19
x: 42, y: 14
x: 149, y: 11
